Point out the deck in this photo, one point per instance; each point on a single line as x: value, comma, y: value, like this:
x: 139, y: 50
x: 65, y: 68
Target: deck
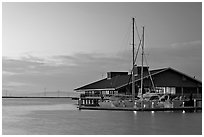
x: 140, y: 109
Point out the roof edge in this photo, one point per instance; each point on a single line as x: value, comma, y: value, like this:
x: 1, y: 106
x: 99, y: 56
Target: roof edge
x: 82, y: 90
x: 88, y: 84
x: 185, y: 75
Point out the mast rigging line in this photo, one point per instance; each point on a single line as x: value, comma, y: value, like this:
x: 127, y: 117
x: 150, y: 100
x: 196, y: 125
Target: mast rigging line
x: 137, y: 31
x: 140, y: 41
x: 150, y: 74
x: 135, y: 58
x: 148, y: 70
x: 137, y: 51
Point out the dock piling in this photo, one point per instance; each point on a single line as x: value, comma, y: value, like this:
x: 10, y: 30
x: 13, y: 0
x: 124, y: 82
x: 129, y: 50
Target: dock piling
x: 195, y: 105
x: 152, y: 104
x: 79, y: 102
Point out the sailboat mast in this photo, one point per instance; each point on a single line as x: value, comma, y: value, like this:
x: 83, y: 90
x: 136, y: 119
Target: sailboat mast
x: 142, y: 62
x: 133, y: 59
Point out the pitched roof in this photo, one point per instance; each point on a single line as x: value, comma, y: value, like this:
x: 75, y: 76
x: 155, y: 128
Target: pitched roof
x: 145, y: 75
x: 107, y: 83
x: 123, y: 80
x: 185, y: 75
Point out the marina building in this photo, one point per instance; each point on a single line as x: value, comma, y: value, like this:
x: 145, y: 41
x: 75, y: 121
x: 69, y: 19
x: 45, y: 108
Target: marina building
x: 164, y: 81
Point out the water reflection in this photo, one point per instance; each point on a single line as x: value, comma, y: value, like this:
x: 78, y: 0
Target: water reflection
x: 183, y: 112
x: 135, y: 112
x: 44, y: 117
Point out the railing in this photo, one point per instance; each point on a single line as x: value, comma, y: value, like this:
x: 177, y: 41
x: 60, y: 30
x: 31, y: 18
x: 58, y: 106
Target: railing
x: 90, y: 95
x: 144, y: 104
x: 105, y: 95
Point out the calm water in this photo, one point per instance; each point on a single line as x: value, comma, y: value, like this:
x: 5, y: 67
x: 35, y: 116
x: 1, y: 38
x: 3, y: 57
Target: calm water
x: 60, y: 116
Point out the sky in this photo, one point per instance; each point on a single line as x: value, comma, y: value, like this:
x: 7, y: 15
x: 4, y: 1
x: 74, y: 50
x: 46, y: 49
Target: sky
x: 49, y: 47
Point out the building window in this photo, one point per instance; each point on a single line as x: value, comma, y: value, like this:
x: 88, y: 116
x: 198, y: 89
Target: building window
x: 96, y: 92
x: 160, y: 90
x: 166, y: 90
x: 103, y: 92
x: 170, y: 90
x: 111, y: 92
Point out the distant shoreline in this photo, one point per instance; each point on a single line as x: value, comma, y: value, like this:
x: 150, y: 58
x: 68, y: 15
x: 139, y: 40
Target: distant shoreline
x: 74, y: 98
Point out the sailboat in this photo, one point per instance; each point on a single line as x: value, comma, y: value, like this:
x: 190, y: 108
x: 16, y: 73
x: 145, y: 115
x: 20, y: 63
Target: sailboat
x: 118, y: 102
x: 129, y: 103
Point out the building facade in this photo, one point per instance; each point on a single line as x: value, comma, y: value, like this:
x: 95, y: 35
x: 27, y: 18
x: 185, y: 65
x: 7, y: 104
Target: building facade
x: 164, y: 81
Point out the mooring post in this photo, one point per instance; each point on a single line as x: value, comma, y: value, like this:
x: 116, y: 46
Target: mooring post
x: 195, y: 105
x: 142, y: 105
x: 135, y: 105
x: 79, y: 102
x: 152, y: 104
x: 83, y: 101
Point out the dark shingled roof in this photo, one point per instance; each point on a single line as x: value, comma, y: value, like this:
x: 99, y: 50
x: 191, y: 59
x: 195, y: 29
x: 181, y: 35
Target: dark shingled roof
x: 114, y: 82
x: 107, y: 83
x: 123, y: 80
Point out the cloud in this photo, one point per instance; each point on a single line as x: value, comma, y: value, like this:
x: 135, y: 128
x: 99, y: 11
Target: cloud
x: 5, y: 73
x: 14, y: 84
x: 19, y: 66
x: 67, y: 72
x: 191, y: 50
x: 186, y: 44
x: 64, y: 72
x: 184, y: 56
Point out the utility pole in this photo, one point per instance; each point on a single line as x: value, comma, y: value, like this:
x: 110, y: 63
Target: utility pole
x: 133, y: 60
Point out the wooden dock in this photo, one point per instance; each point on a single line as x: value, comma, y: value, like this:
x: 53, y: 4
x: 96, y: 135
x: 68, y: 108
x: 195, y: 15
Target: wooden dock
x: 92, y: 104
x: 140, y: 109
